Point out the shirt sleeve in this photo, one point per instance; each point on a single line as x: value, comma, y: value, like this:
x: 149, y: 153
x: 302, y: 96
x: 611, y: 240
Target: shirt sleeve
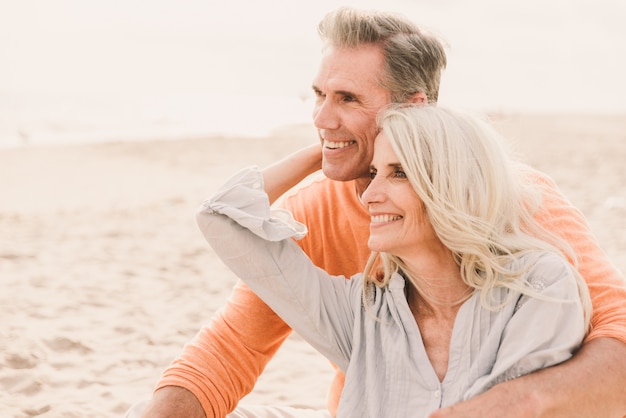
x: 226, y: 357
x: 255, y: 243
x: 544, y: 330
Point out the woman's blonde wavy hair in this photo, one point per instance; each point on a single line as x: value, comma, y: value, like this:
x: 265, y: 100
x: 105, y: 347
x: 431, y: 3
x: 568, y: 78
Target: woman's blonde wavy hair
x: 474, y: 198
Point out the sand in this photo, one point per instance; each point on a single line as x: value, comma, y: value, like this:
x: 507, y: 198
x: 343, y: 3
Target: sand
x: 105, y: 276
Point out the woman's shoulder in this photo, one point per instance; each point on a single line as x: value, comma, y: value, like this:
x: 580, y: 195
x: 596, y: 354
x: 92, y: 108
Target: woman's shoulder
x: 544, y: 268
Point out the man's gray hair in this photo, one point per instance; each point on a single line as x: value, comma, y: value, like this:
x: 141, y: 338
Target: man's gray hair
x: 414, y: 59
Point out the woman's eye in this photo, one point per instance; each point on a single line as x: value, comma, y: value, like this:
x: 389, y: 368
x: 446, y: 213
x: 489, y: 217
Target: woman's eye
x: 372, y: 174
x: 399, y: 174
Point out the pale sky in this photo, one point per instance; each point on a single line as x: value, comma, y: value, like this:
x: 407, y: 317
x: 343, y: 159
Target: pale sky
x: 557, y: 54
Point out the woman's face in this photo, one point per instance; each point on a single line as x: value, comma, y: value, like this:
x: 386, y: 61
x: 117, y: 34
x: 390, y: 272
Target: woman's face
x: 399, y: 224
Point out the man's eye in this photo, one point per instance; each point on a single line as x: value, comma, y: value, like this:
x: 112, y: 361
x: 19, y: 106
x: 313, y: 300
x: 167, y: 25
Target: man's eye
x: 349, y: 99
x: 372, y: 174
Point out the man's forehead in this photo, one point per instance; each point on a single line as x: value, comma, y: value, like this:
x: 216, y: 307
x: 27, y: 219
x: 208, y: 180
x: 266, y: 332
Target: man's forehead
x: 342, y: 85
x: 353, y: 70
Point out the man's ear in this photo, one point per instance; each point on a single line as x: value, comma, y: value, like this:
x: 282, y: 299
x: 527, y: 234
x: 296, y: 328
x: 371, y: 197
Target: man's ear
x: 418, y: 98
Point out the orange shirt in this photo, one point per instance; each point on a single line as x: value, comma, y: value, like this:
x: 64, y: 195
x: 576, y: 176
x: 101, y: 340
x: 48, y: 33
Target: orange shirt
x: 222, y: 363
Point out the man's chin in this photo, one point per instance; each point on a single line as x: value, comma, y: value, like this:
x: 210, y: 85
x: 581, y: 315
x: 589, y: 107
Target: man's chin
x: 337, y: 175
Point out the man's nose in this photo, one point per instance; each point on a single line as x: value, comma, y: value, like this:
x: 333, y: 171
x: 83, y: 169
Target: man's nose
x: 325, y: 116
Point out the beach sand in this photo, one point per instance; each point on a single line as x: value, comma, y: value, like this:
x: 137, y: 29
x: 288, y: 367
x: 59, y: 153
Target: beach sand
x: 105, y: 275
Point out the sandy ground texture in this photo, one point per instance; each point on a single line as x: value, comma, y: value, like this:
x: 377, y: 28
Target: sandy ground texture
x: 105, y: 276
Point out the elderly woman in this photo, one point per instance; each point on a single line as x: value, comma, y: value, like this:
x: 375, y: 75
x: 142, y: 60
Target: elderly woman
x: 463, y: 289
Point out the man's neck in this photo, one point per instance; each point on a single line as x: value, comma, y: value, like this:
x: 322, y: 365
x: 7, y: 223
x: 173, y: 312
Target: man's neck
x: 360, y: 185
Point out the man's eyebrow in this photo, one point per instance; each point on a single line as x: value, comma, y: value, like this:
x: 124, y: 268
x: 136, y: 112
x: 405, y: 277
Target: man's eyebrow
x: 346, y: 93
x: 340, y: 92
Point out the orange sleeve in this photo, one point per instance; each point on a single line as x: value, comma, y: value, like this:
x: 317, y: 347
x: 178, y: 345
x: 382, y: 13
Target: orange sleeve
x: 606, y: 284
x: 224, y: 360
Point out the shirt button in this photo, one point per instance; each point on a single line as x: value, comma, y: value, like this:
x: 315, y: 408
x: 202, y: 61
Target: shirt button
x: 437, y: 394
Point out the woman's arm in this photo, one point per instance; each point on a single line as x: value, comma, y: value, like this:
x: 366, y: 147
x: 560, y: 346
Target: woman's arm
x: 222, y: 363
x: 255, y: 243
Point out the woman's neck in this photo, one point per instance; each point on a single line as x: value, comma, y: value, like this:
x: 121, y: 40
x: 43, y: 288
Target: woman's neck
x: 435, y: 284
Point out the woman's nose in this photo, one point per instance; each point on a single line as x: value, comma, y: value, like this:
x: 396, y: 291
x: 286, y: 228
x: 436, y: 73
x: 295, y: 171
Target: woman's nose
x: 373, y: 193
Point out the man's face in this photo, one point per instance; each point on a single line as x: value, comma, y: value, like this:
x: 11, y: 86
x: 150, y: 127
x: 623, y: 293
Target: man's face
x: 348, y: 97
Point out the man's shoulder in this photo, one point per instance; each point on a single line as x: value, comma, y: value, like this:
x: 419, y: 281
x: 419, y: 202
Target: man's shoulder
x: 532, y: 175
x: 320, y: 190
x: 324, y: 200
